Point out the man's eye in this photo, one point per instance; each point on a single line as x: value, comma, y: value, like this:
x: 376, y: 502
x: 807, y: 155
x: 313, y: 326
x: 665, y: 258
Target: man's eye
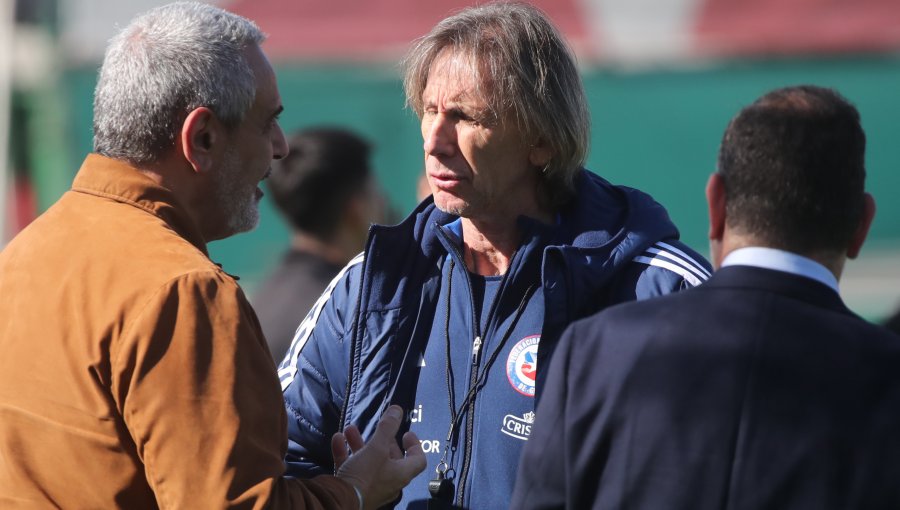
x: 465, y: 117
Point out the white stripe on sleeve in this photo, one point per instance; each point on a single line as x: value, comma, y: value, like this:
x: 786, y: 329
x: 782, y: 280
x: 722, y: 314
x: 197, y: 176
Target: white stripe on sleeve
x: 688, y: 260
x: 287, y: 370
x: 675, y: 268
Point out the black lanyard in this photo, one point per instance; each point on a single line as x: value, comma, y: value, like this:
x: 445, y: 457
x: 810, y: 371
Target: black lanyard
x: 441, y: 487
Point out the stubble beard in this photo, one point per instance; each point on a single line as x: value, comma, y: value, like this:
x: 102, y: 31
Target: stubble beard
x: 459, y: 208
x: 240, y: 208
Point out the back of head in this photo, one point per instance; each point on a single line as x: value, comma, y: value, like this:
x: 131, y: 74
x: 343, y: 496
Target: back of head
x: 324, y: 170
x: 164, y: 64
x: 793, y: 169
x: 527, y: 73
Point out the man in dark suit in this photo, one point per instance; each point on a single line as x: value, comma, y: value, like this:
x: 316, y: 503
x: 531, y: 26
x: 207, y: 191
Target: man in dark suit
x: 758, y: 389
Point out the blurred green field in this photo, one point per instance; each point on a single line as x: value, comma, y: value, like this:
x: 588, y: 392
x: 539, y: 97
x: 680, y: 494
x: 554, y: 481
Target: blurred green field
x: 657, y: 130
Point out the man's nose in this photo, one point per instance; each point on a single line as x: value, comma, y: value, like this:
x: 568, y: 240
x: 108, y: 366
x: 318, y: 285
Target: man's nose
x: 439, y: 133
x: 279, y: 143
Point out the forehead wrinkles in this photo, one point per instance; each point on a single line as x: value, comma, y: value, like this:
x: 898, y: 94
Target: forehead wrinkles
x: 461, y: 73
x: 467, y: 81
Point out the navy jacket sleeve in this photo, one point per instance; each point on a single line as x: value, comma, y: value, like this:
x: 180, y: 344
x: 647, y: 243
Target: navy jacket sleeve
x: 314, y: 375
x: 664, y: 267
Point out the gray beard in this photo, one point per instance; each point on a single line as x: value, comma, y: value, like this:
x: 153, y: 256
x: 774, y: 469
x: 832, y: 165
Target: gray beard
x: 239, y: 208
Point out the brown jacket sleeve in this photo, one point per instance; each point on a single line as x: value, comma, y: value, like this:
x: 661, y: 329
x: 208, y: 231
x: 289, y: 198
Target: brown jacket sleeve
x: 197, y: 388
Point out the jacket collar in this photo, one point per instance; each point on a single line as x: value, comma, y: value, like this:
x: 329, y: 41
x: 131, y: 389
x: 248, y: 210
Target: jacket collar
x: 602, y: 229
x: 118, y: 180
x: 791, y: 285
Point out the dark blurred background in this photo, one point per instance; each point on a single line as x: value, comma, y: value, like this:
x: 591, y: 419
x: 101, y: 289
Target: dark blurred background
x: 663, y: 78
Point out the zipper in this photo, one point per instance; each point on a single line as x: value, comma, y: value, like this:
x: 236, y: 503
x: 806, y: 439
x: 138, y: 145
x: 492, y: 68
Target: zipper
x: 470, y: 423
x: 476, y: 359
x: 473, y: 380
x: 476, y: 350
x: 470, y: 439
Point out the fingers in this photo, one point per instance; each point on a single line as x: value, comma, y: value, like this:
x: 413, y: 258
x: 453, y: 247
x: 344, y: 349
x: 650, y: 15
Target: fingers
x: 354, y: 438
x: 340, y: 441
x: 389, y: 425
x: 411, y: 459
x: 411, y: 442
x: 415, y: 461
x: 339, y: 451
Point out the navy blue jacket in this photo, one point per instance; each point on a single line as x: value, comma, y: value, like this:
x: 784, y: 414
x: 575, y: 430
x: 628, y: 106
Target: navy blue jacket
x: 365, y: 343
x: 757, y: 390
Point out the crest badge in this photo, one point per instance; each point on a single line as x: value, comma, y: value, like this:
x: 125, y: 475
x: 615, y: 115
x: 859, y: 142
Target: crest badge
x: 521, y: 366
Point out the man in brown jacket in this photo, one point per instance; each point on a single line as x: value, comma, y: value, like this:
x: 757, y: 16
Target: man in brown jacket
x: 133, y: 372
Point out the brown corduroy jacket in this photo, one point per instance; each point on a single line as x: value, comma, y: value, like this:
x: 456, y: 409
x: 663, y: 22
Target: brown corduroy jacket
x: 133, y: 371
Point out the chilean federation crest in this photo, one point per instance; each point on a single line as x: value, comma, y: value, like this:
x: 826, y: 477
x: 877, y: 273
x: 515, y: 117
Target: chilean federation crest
x: 521, y: 366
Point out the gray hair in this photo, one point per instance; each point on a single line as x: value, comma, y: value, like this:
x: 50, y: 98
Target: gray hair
x: 525, y: 69
x: 164, y: 64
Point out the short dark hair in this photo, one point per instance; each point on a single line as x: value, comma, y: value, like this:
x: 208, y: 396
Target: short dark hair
x: 793, y: 167
x: 326, y: 167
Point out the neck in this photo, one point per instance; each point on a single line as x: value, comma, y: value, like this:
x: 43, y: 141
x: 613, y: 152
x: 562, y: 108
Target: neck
x: 491, y: 240
x: 834, y: 262
x: 488, y: 246
x: 176, y: 176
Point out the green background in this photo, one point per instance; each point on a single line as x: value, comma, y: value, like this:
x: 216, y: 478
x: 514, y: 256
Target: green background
x: 657, y: 130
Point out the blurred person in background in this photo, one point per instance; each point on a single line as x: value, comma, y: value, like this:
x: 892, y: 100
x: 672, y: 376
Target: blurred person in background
x: 423, y: 189
x: 453, y: 312
x: 134, y: 372
x: 326, y: 191
x: 893, y: 322
x: 759, y: 389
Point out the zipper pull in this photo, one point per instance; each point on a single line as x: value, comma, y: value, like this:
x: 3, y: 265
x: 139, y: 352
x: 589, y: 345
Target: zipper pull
x: 476, y: 348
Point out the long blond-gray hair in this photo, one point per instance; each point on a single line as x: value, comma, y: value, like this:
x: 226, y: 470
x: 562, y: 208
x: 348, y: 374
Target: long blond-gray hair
x: 526, y: 72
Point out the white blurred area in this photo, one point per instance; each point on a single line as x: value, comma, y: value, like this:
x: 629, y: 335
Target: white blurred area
x: 86, y: 25
x: 640, y: 32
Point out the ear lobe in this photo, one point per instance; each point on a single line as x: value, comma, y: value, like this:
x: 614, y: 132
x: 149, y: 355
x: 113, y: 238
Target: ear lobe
x: 862, y: 230
x: 715, y: 199
x: 199, y: 136
x: 539, y: 155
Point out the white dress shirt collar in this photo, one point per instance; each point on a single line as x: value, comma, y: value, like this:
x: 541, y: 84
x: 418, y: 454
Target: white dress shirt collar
x: 780, y: 260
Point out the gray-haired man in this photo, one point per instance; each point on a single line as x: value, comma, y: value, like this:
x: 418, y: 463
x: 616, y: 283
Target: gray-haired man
x: 134, y: 372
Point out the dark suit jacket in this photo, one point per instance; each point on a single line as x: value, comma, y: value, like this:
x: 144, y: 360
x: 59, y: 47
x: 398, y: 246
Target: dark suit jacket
x: 756, y: 390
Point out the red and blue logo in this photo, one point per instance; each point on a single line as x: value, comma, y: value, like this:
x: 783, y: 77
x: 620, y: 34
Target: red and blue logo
x: 521, y: 366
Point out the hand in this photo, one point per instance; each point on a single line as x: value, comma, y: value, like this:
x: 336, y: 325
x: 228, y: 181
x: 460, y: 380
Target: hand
x: 378, y: 469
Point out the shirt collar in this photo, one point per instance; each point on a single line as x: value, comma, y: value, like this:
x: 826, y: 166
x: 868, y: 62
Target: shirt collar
x: 780, y: 260
x: 117, y: 180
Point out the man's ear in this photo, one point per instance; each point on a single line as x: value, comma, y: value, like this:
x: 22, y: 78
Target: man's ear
x: 540, y: 154
x: 715, y: 199
x: 200, y: 138
x: 862, y: 230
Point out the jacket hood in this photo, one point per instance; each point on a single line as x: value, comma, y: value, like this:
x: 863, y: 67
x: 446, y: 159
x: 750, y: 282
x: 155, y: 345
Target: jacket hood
x: 615, y: 217
x: 603, y: 229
